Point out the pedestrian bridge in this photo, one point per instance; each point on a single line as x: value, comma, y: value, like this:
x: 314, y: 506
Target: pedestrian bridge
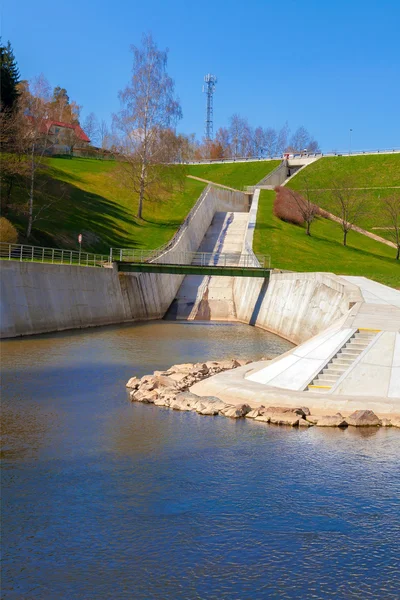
x: 192, y: 263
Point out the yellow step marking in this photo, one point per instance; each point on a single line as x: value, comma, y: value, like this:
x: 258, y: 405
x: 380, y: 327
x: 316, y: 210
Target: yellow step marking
x: 326, y: 387
x: 367, y: 329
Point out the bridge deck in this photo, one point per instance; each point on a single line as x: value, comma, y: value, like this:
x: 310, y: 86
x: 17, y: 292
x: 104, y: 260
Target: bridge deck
x: 175, y: 269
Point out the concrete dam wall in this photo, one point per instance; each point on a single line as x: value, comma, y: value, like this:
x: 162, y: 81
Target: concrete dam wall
x: 39, y: 298
x: 296, y: 306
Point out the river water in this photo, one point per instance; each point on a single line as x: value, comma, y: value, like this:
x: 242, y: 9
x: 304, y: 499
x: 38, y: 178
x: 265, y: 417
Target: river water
x: 107, y: 499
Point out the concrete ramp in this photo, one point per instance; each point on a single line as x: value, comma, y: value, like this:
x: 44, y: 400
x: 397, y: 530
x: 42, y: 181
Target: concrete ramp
x: 211, y: 297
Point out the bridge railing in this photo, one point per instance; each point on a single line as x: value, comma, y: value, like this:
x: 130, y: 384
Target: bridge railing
x: 220, y: 259
x: 24, y: 253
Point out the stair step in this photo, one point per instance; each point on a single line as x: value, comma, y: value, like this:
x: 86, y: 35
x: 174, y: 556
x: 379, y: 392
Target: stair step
x: 324, y: 382
x: 318, y: 388
x: 344, y: 362
x: 333, y: 369
x: 326, y: 377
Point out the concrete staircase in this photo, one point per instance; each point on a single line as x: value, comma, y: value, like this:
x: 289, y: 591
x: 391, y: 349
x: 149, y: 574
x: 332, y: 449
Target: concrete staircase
x: 342, y: 361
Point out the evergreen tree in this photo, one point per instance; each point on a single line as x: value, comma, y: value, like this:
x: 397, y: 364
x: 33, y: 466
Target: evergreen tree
x: 9, y: 77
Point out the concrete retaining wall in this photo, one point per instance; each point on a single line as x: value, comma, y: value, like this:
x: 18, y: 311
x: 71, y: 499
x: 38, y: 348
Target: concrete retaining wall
x: 38, y: 298
x: 295, y: 306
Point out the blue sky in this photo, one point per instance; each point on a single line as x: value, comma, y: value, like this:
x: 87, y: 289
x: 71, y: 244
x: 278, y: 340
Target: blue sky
x: 328, y: 65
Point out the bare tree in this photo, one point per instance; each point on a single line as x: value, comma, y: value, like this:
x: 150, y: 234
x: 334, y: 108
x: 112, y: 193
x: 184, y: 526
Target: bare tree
x: 349, y: 204
x: 91, y: 127
x: 270, y: 142
x: 391, y: 208
x: 282, y: 139
x: 104, y: 135
x: 223, y: 138
x: 34, y: 133
x: 301, y: 140
x: 259, y: 141
x: 149, y: 108
x: 305, y: 204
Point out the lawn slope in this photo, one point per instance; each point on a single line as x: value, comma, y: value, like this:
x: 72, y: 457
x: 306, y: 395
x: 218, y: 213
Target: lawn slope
x: 237, y: 174
x: 378, y: 175
x: 291, y: 249
x: 84, y: 196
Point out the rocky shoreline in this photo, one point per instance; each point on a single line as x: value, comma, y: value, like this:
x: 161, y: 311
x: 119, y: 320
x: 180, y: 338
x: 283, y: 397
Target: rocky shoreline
x: 170, y: 388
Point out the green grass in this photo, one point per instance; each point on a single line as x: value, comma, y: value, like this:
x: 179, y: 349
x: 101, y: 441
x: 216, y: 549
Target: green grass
x: 291, y: 249
x: 375, y: 171
x: 86, y: 198
x: 236, y: 175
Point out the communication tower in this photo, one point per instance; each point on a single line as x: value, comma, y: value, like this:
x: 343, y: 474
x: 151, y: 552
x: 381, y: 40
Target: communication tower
x: 208, y: 88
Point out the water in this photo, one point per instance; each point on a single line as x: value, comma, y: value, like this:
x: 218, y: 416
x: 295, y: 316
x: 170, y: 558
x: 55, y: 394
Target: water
x: 107, y: 499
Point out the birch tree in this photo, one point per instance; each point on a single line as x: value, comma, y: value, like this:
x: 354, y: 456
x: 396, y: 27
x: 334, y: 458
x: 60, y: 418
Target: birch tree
x: 148, y: 109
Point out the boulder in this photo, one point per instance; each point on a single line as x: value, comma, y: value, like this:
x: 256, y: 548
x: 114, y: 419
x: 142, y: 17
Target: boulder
x: 263, y: 418
x: 363, y: 418
x: 304, y: 423
x: 395, y: 421
x: 386, y: 422
x: 225, y: 365
x: 311, y: 419
x: 210, y: 405
x: 188, y: 400
x: 255, y: 412
x: 236, y: 412
x: 146, y: 396
x: 184, y: 368
x: 133, y: 383
x: 287, y: 418
x: 284, y: 409
x: 331, y: 421
x: 306, y: 410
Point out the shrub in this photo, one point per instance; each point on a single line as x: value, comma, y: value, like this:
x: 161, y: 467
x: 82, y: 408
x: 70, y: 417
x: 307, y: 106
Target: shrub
x: 8, y: 233
x: 286, y: 208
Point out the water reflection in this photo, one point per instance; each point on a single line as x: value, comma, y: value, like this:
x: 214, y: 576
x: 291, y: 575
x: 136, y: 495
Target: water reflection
x: 107, y: 499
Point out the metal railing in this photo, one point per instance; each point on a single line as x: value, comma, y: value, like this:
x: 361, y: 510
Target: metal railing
x: 202, y: 259
x: 23, y: 253
x: 291, y: 156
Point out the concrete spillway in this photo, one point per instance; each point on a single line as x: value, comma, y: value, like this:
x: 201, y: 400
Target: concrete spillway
x: 211, y: 297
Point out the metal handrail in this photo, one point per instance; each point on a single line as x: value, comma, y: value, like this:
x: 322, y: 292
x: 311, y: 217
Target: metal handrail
x: 24, y: 253
x: 292, y: 155
x: 220, y: 259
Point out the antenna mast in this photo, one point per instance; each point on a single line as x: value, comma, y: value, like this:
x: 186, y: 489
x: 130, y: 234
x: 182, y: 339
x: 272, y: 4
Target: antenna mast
x: 208, y: 88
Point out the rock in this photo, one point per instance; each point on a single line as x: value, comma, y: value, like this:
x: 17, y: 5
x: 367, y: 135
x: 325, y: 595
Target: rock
x: 243, y: 361
x: 146, y: 396
x: 210, y: 405
x: 133, y: 383
x: 287, y: 418
x: 262, y: 418
x: 283, y: 410
x: 363, y: 418
x: 304, y: 423
x: 386, y: 422
x: 184, y: 368
x: 306, y: 411
x: 330, y: 421
x: 235, y: 412
x: 395, y: 421
x: 225, y: 365
x: 188, y: 400
x: 255, y: 412
x: 311, y: 419
x: 178, y: 377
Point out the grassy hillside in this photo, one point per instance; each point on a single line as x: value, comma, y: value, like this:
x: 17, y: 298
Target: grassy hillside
x: 290, y: 248
x: 236, y: 175
x: 84, y: 196
x: 377, y: 175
